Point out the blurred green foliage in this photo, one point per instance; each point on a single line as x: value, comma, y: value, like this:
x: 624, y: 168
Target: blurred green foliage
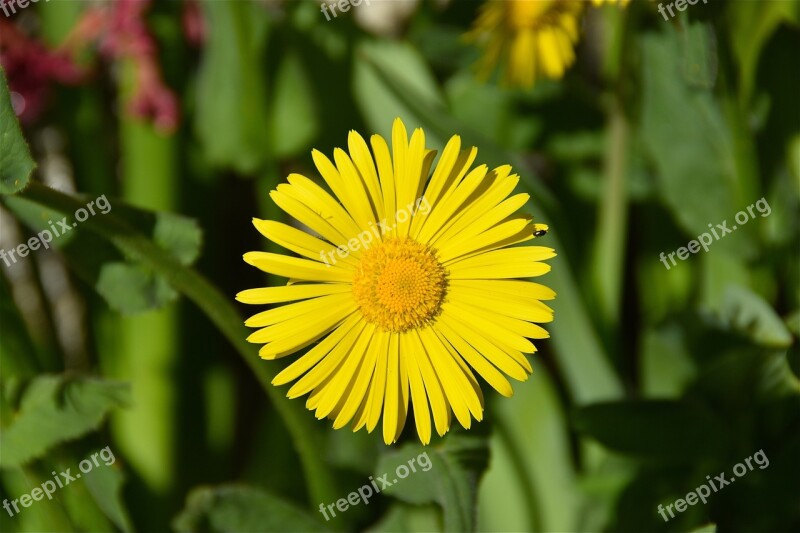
x: 654, y: 379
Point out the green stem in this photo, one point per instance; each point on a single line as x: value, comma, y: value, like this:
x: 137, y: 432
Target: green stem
x: 220, y: 311
x: 609, y: 249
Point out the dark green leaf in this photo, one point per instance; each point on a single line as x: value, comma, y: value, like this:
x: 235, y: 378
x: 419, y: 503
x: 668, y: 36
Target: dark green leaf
x: 131, y: 288
x: 699, y: 57
x: 653, y: 429
x: 752, y: 23
x: 666, y: 368
x: 105, y: 486
x: 231, y: 116
x: 531, y: 483
x: 408, y: 519
x: 241, y: 508
x: 294, y: 120
x: 691, y: 146
x: 16, y: 164
x: 56, y: 409
x: 451, y: 480
x: 748, y: 313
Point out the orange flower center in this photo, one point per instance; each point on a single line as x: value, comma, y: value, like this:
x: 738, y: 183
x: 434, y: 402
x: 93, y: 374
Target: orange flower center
x: 399, y: 284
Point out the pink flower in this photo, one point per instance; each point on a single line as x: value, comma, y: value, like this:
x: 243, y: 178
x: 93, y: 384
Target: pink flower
x: 31, y: 68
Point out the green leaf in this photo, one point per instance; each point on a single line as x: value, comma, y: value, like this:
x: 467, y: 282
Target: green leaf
x: 666, y: 367
x: 231, y: 116
x: 294, y: 119
x: 691, y: 147
x: 654, y: 429
x: 408, y: 519
x: 708, y: 528
x: 409, y: 73
x: 127, y: 286
x: 530, y: 484
x: 55, y: 409
x: 132, y: 288
x: 747, y: 312
x: 752, y: 23
x: 105, y: 485
x: 492, y: 111
x: 179, y: 236
x: 241, y: 508
x: 16, y: 164
x: 699, y: 56
x: 451, y: 480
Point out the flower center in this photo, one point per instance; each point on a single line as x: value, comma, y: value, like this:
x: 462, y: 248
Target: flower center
x: 399, y: 284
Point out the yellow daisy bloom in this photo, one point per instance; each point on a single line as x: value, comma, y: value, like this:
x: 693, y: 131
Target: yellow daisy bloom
x: 535, y: 36
x: 407, y: 284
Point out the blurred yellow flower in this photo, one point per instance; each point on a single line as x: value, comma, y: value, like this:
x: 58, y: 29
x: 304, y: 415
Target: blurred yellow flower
x: 532, y: 38
x: 601, y: 2
x: 409, y: 284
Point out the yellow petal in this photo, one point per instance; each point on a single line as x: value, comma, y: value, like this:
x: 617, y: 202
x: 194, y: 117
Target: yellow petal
x: 454, y: 383
x: 433, y: 387
x: 272, y: 295
x: 499, y: 357
x: 293, y: 267
x: 309, y: 193
x: 330, y: 361
x: 476, y: 360
x: 362, y: 158
x: 516, y: 308
x: 422, y: 415
x: 450, y: 203
x: 387, y: 177
x: 315, y: 354
x: 516, y: 289
x: 396, y: 402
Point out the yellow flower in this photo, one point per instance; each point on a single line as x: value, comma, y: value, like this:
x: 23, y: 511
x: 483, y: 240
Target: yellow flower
x: 601, y: 2
x: 535, y: 36
x: 406, y: 284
